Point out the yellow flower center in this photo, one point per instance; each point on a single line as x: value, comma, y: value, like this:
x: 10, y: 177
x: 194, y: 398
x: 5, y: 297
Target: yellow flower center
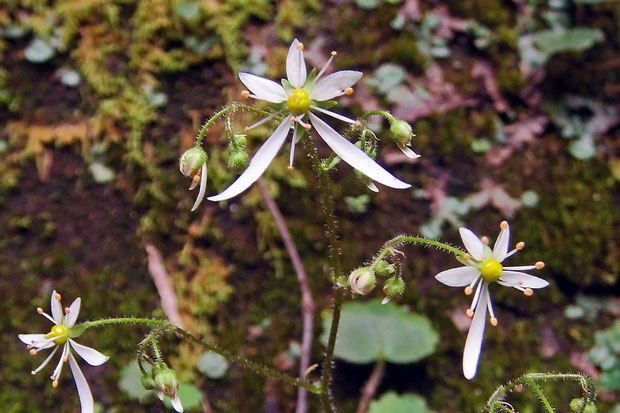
x: 491, y: 270
x: 59, y: 333
x: 298, y: 102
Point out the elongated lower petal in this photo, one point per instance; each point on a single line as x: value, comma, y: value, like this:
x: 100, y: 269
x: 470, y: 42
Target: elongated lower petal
x: 472, y: 243
x: 295, y: 65
x: 473, y: 345
x: 176, y: 403
x: 86, y: 397
x: 74, y: 311
x: 90, y: 355
x: 331, y: 86
x: 262, y: 88
x: 514, y: 278
x: 47, y: 360
x: 408, y: 152
x: 500, y: 249
x: 458, y: 277
x: 258, y: 164
x: 56, y: 308
x: 355, y: 156
x: 203, y: 187
x: 32, y: 339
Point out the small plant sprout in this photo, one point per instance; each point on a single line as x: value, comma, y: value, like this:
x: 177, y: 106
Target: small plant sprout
x: 302, y: 95
x: 482, y: 268
x: 61, y: 336
x: 191, y: 162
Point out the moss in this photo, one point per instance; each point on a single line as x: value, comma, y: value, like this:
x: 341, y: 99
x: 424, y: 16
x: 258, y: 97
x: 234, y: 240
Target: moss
x: 491, y: 13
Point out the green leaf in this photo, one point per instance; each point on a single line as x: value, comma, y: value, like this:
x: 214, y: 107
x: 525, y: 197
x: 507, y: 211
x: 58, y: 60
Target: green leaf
x: 370, y: 331
x: 190, y: 397
x: 212, y: 365
x: 393, y: 403
x: 578, y: 39
x: 187, y: 10
x: 131, y: 382
x: 387, y: 77
x: 39, y: 51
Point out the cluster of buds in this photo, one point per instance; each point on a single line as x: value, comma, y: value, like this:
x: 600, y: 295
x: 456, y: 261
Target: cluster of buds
x: 363, y: 280
x: 163, y: 381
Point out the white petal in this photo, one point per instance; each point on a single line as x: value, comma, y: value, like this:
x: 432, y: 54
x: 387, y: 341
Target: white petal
x: 371, y: 185
x: 295, y: 66
x: 74, y: 311
x: 61, y: 362
x: 176, y: 403
x: 408, y: 152
x: 513, y: 278
x: 86, y: 397
x: 332, y: 114
x: 264, y: 89
x: 331, y: 86
x: 500, y: 249
x: 355, y: 156
x: 472, y: 243
x: 458, y: 277
x: 90, y: 355
x: 473, y: 345
x: 47, y: 360
x: 203, y: 186
x: 56, y: 308
x: 258, y: 164
x: 32, y: 339
x: 521, y: 268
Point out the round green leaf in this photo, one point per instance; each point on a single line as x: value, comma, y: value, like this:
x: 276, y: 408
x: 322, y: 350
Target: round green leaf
x: 370, y: 331
x: 131, y: 382
x: 212, y: 365
x: 393, y: 403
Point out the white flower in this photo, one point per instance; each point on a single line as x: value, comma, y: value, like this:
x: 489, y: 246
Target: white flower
x: 192, y: 161
x: 60, y: 338
x: 302, y: 93
x: 483, y: 267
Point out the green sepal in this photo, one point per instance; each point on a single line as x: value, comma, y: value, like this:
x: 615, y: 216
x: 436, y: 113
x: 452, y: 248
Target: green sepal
x: 310, y: 82
x: 288, y: 88
x: 325, y: 104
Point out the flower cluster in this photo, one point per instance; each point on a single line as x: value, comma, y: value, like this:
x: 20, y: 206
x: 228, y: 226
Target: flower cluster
x: 482, y: 268
x: 61, y: 337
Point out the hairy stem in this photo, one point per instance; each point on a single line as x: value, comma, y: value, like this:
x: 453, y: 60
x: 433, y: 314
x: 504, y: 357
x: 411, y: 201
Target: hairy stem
x: 331, y: 232
x: 540, y: 394
x: 408, y: 239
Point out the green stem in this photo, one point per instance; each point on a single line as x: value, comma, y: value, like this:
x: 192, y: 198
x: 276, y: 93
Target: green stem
x: 250, y: 365
x: 408, y: 239
x: 156, y: 349
x: 540, y: 394
x: 331, y: 231
x: 383, y: 113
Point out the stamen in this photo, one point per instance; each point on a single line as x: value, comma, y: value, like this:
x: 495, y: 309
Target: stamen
x: 470, y: 287
x: 528, y: 292
x: 334, y: 53
x: 308, y: 126
x: 66, y: 358
x: 326, y: 65
x: 469, y: 312
x: 33, y: 352
x: 302, y: 123
x: 57, y: 297
x: 28, y: 347
x: 33, y: 372
x: 466, y: 256
x: 358, y: 123
x: 503, y: 225
x: 485, y: 240
x: 493, y: 321
x: 293, y: 142
x: 520, y: 245
x: 300, y: 46
x: 334, y: 114
x: 474, y: 302
x: 196, y: 179
x: 260, y: 122
x: 348, y: 91
x: 39, y: 310
x: 245, y: 94
x: 67, y: 310
x: 55, y: 384
x: 540, y: 265
x: 293, y: 119
x: 490, y: 308
x: 290, y: 168
x: 468, y: 290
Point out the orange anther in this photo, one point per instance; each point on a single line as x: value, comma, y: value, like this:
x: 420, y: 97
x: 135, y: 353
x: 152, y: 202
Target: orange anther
x: 469, y: 313
x: 540, y: 265
x: 348, y: 91
x: 493, y: 321
x: 300, y: 46
x: 485, y: 240
x: 520, y: 245
x: 468, y: 290
x: 529, y: 292
x: 245, y: 94
x: 503, y: 225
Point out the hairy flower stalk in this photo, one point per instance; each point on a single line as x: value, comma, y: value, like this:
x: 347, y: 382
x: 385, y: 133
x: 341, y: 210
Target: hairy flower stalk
x: 482, y: 268
x: 61, y: 337
x: 302, y: 96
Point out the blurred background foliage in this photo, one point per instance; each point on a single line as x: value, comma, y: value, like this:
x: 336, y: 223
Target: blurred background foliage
x: 515, y: 107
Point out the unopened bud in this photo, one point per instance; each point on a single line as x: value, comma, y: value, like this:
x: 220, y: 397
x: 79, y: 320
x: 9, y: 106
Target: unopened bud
x: 241, y: 140
x: 401, y: 132
x: 362, y: 280
x: 165, y: 383
x: 191, y: 161
x: 394, y: 287
x: 238, y: 160
x: 383, y: 269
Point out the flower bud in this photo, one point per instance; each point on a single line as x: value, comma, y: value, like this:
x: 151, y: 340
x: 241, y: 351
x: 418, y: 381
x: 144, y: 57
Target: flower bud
x: 383, y: 269
x: 238, y: 160
x: 147, y: 382
x: 401, y: 132
x: 191, y: 161
x: 394, y: 287
x: 362, y: 280
x: 165, y: 384
x: 241, y: 141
